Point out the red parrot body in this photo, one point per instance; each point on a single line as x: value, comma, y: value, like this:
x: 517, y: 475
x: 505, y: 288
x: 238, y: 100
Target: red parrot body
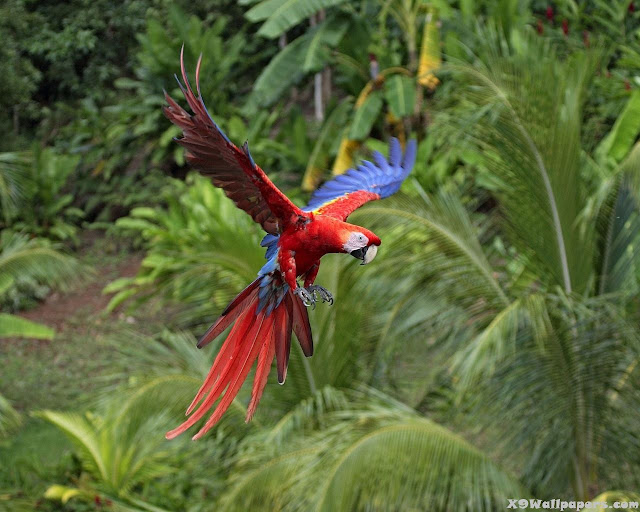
x: 264, y: 315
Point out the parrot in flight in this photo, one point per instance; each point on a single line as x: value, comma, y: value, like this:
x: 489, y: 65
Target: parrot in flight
x: 266, y: 312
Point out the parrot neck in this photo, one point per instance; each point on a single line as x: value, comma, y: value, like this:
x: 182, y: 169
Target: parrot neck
x: 336, y: 233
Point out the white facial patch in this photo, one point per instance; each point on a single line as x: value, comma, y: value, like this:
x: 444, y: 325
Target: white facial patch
x: 356, y: 241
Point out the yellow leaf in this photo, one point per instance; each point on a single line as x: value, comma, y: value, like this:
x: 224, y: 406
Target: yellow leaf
x: 61, y: 493
x: 311, y: 178
x: 344, y: 159
x: 430, y: 58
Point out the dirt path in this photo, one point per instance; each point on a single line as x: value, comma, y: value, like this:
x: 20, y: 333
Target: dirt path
x: 47, y: 373
x: 85, y: 300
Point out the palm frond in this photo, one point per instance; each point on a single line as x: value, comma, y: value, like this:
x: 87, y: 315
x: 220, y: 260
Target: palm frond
x: 23, y: 257
x: 438, y: 243
x: 530, y: 105
x: 570, y: 375
x: 9, y: 418
x: 374, y: 454
x: 14, y: 179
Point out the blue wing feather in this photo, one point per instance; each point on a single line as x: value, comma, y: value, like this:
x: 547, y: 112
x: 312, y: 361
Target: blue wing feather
x: 383, y: 177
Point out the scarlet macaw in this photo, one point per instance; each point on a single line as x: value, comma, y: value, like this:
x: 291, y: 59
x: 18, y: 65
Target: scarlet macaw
x: 273, y: 305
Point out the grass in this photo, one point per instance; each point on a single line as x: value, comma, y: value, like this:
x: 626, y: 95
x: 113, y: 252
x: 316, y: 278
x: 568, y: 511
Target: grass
x: 63, y: 374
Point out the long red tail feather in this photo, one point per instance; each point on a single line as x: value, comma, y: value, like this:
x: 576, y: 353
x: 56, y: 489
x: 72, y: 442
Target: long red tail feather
x: 231, y: 312
x: 301, y: 325
x: 225, y: 357
x: 254, y: 335
x: 266, y: 325
x: 267, y: 353
x: 283, y: 341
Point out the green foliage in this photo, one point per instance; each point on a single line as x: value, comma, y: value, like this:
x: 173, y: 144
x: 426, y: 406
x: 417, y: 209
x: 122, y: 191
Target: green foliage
x: 306, y: 54
x: 201, y: 237
x: 489, y: 352
x: 281, y: 15
x: 12, y: 326
x: 123, y: 143
x: 20, y: 75
x: 9, y: 418
x: 30, y: 262
x: 14, y: 178
x: 365, y: 116
x: 47, y: 204
x: 539, y: 326
x: 618, y: 142
x: 375, y: 452
x: 399, y: 91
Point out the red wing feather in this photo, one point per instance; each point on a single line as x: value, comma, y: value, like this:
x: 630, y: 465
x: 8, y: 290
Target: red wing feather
x: 342, y: 207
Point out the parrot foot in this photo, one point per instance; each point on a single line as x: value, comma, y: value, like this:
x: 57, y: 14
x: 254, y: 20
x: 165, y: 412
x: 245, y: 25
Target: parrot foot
x: 307, y: 297
x: 310, y: 295
x: 323, y: 293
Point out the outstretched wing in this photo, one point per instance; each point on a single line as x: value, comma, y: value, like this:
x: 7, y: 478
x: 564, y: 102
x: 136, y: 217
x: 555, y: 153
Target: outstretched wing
x: 211, y: 152
x: 370, y: 181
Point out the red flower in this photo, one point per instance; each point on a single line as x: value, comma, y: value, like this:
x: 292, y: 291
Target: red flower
x: 540, y: 27
x: 97, y: 500
x: 565, y: 27
x: 632, y: 8
x: 627, y: 85
x: 550, y: 13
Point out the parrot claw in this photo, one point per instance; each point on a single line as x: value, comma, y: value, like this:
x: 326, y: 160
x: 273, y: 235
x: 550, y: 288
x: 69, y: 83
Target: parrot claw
x: 307, y: 298
x: 310, y: 295
x: 323, y: 293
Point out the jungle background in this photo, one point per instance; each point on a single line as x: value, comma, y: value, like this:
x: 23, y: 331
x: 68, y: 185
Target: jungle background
x: 490, y: 351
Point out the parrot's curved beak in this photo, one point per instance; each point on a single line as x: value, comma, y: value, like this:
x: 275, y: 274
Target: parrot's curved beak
x: 366, y: 254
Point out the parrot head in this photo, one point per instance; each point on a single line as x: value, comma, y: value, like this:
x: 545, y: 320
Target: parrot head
x: 362, y: 244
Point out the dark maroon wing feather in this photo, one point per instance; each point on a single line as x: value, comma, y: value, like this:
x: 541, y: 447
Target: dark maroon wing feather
x: 301, y: 325
x: 232, y: 169
x: 283, y: 340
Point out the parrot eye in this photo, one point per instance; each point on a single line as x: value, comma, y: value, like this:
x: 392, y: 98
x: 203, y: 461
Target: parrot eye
x: 356, y: 241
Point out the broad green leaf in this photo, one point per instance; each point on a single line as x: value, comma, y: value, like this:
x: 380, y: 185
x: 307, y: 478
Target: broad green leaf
x: 365, y: 116
x: 263, y: 10
x: 328, y: 35
x: 18, y: 327
x: 399, y: 91
x: 624, y: 133
x: 304, y: 55
x: 284, y: 70
x: 281, y: 15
